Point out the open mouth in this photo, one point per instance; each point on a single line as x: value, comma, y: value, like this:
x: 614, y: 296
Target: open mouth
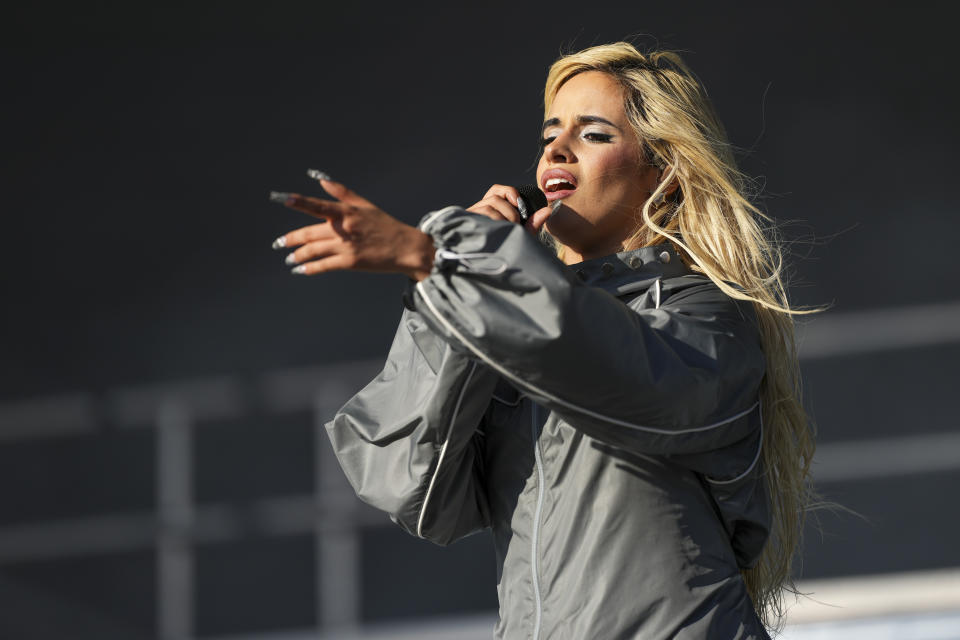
x: 558, y: 184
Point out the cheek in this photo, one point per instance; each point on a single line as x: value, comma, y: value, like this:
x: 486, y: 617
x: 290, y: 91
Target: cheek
x: 620, y: 180
x: 541, y: 167
x: 618, y: 168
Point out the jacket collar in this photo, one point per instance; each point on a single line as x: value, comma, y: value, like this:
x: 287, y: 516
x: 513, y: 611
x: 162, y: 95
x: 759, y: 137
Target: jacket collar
x: 621, y: 273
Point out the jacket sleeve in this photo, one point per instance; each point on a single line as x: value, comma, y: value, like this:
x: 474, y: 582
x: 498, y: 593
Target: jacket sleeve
x: 409, y: 443
x: 675, y: 379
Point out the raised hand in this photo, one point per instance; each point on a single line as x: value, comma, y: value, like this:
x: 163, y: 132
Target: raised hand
x: 500, y: 203
x: 355, y: 235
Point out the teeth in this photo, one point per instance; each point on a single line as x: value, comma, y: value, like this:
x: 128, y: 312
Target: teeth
x: 555, y: 182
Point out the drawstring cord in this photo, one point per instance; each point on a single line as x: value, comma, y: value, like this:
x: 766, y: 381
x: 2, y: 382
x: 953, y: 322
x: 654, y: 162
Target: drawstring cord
x: 444, y: 257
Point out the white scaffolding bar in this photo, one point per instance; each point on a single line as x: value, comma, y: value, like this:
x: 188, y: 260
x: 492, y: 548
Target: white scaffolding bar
x: 174, y: 456
x: 338, y: 544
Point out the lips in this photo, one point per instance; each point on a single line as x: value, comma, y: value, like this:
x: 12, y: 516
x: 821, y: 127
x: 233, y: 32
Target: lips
x: 557, y: 183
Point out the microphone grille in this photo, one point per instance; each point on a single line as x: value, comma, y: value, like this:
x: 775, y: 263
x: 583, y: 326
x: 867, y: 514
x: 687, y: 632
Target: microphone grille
x: 532, y: 197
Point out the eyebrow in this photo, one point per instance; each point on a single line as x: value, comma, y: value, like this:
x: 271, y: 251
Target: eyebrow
x: 580, y: 120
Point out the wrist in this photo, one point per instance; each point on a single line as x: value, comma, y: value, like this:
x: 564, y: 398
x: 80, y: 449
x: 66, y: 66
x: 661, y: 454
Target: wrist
x: 417, y: 260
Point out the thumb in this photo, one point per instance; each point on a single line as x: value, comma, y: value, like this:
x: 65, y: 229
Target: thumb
x: 540, y: 216
x: 338, y: 190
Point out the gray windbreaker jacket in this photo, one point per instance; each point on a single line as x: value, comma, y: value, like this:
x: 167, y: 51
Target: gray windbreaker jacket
x: 602, y: 419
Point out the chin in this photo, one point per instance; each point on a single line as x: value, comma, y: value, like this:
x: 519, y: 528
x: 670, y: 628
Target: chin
x: 568, y: 228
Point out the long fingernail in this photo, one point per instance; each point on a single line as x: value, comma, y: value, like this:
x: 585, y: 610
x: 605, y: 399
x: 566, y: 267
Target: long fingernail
x: 554, y: 208
x: 299, y: 269
x: 283, y: 197
x: 318, y: 175
x: 522, y: 207
x: 290, y: 259
x: 280, y: 242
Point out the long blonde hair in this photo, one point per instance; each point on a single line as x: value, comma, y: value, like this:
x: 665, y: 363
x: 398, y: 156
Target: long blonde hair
x: 720, y: 233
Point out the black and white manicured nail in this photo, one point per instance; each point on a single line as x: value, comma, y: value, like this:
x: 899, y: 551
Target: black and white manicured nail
x: 279, y: 196
x: 291, y: 258
x: 280, y: 242
x: 318, y: 175
x: 554, y: 208
x: 522, y: 207
x: 299, y: 269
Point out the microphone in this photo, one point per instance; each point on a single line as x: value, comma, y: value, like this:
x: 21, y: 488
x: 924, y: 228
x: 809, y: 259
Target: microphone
x: 531, y: 199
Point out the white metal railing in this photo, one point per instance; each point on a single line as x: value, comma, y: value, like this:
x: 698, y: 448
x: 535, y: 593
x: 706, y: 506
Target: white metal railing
x: 829, y: 335
x: 331, y: 512
x: 921, y: 605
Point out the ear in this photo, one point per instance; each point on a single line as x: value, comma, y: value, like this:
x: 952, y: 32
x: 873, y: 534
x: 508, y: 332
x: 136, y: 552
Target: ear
x: 674, y: 183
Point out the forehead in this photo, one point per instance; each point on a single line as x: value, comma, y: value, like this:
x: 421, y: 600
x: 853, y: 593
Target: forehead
x: 589, y: 93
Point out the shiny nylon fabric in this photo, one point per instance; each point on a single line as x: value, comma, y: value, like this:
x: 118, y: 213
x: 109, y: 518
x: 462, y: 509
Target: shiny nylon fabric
x: 611, y: 408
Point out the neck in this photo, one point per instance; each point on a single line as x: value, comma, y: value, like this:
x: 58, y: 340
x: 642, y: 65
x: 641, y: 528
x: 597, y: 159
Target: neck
x: 573, y: 255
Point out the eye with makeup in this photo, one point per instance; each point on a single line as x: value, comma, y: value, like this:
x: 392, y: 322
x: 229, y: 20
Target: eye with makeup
x: 592, y: 136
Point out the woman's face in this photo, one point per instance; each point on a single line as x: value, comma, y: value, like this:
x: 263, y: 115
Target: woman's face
x: 593, y: 161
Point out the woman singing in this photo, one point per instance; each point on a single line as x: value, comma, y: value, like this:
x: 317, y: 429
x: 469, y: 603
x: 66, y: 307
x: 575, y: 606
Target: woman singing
x: 621, y: 409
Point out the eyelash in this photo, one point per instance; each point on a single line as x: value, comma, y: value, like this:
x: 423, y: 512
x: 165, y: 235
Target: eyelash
x: 597, y: 137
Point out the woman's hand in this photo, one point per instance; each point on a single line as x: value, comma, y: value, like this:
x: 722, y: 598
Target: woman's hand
x: 500, y: 203
x: 355, y: 235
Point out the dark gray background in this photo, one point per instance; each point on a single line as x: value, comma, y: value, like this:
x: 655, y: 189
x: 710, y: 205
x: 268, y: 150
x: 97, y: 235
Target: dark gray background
x: 140, y: 142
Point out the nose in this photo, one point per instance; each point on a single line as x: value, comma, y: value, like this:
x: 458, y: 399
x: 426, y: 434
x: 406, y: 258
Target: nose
x: 559, y: 150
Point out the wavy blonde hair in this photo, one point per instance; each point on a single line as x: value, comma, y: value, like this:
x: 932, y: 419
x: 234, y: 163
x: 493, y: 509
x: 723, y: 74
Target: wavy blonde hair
x: 720, y: 233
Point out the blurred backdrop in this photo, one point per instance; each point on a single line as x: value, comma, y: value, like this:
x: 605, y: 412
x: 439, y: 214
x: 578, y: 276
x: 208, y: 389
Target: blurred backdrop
x: 163, y: 468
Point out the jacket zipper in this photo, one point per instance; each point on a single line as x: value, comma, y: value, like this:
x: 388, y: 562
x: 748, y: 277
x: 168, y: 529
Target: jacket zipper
x: 534, y: 560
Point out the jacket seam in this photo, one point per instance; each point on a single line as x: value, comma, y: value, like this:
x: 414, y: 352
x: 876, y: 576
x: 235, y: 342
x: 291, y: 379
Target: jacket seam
x: 569, y: 405
x: 535, y: 534
x: 753, y: 464
x: 443, y: 450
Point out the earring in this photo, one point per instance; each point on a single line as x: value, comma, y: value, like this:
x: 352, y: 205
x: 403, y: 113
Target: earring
x: 659, y: 199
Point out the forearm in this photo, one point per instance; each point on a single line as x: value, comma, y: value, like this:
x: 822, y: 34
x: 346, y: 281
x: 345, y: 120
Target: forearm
x: 646, y: 377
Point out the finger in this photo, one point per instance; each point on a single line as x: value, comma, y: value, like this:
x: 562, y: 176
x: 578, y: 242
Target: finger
x: 486, y: 210
x: 504, y: 191
x: 304, y: 235
x: 343, y: 194
x: 540, y: 216
x: 313, y: 251
x: 506, y: 209
x: 337, y: 262
x: 318, y: 207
